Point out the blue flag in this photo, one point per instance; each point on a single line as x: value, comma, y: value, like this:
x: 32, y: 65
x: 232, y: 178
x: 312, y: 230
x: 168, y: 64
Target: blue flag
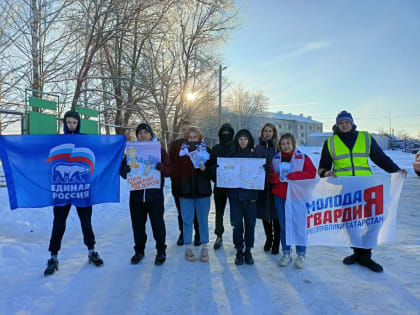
x: 47, y: 170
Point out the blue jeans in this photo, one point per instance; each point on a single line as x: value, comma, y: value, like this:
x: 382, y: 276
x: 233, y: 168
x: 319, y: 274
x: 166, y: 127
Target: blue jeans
x: 280, y: 203
x: 202, y: 206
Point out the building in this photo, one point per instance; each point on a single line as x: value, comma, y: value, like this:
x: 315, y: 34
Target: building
x: 298, y: 125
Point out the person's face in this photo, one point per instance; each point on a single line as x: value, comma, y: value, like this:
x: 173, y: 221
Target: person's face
x: 193, y: 137
x: 71, y: 123
x: 144, y: 135
x: 286, y: 145
x: 268, y: 133
x: 345, y: 125
x: 243, y: 142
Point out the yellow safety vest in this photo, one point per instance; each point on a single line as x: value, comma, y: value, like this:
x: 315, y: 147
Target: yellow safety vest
x: 354, y: 162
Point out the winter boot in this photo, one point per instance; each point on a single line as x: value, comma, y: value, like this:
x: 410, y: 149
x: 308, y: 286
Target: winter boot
x: 248, y: 257
x: 285, y: 260
x: 366, y: 260
x: 218, y: 243
x: 239, y: 260
x: 52, y: 266
x: 350, y: 260
x: 189, y: 255
x: 180, y: 240
x: 299, y: 261
x: 95, y: 259
x: 204, y: 257
x: 268, y: 234
x: 160, y: 257
x: 137, y: 257
x: 276, y: 247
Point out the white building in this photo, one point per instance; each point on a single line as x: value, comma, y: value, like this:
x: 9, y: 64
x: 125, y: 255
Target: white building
x: 298, y: 125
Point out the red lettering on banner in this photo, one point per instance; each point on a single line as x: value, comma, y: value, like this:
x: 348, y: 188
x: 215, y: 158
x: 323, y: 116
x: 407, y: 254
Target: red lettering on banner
x: 308, y: 220
x: 374, y: 196
x: 317, y: 218
x: 357, y: 212
x: 327, y: 217
x: 337, y: 215
x: 346, y: 215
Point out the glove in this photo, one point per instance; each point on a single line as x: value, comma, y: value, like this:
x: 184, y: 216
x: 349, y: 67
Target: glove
x: 158, y: 166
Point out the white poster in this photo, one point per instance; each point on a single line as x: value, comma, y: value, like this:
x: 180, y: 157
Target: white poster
x: 357, y: 211
x: 247, y: 173
x: 142, y: 158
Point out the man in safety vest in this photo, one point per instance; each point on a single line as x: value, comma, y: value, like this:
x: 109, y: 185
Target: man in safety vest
x: 346, y: 153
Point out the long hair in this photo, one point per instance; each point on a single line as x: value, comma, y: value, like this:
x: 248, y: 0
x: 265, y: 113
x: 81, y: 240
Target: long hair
x: 290, y: 137
x: 275, y: 134
x: 195, y: 130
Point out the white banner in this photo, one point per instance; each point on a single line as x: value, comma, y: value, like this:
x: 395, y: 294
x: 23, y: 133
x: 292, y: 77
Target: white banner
x: 142, y: 158
x: 247, y: 173
x: 357, y: 211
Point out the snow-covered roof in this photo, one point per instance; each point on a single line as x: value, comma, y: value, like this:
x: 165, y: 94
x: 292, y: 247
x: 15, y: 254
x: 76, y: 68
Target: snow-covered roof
x: 320, y: 134
x: 281, y: 116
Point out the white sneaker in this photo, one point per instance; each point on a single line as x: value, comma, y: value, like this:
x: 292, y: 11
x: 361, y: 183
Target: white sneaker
x: 285, y: 260
x: 299, y: 261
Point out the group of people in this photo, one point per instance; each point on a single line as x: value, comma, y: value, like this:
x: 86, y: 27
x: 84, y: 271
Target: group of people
x: 345, y: 153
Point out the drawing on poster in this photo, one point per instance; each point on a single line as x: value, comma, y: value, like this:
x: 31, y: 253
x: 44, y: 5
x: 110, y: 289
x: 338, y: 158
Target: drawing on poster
x: 247, y: 173
x: 142, y: 158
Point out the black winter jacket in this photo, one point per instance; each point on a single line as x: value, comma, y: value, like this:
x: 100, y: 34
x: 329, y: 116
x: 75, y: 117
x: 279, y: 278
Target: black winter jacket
x: 265, y: 200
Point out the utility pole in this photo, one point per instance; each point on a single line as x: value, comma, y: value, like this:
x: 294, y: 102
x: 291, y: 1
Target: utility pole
x: 220, y: 94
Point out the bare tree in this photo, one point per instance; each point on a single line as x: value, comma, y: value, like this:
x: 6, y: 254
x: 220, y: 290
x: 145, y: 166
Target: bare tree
x: 185, y: 56
x: 245, y: 106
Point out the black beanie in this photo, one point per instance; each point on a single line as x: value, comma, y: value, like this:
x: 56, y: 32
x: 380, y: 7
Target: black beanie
x: 146, y: 127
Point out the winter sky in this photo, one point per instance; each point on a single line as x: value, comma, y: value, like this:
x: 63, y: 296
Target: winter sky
x: 320, y: 57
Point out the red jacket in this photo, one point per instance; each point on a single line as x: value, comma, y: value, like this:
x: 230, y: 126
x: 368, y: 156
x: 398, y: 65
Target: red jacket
x: 280, y: 188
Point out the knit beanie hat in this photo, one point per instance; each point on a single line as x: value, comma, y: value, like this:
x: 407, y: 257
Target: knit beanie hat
x: 344, y: 116
x: 146, y: 127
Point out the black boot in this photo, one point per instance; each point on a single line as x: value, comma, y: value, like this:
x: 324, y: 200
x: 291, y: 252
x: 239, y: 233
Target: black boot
x: 239, y: 260
x: 180, y: 240
x: 52, y: 266
x: 95, y: 259
x: 352, y: 259
x: 248, y: 257
x: 218, y: 243
x: 137, y: 257
x: 160, y: 258
x: 366, y: 260
x: 268, y: 234
x: 276, y: 247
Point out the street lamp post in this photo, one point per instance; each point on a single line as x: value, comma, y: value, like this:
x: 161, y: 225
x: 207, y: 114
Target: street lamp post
x: 220, y: 93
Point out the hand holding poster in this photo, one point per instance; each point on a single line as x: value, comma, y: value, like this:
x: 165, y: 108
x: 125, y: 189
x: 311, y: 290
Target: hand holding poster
x: 142, y: 158
x: 358, y: 211
x: 247, y: 173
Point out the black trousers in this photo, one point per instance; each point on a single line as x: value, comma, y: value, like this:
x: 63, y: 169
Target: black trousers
x: 138, y: 212
x: 220, y: 199
x: 243, y: 212
x: 59, y: 226
x: 272, y: 230
x: 181, y: 223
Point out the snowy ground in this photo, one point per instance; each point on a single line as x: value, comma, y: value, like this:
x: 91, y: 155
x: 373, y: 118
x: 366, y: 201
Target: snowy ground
x: 324, y: 286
